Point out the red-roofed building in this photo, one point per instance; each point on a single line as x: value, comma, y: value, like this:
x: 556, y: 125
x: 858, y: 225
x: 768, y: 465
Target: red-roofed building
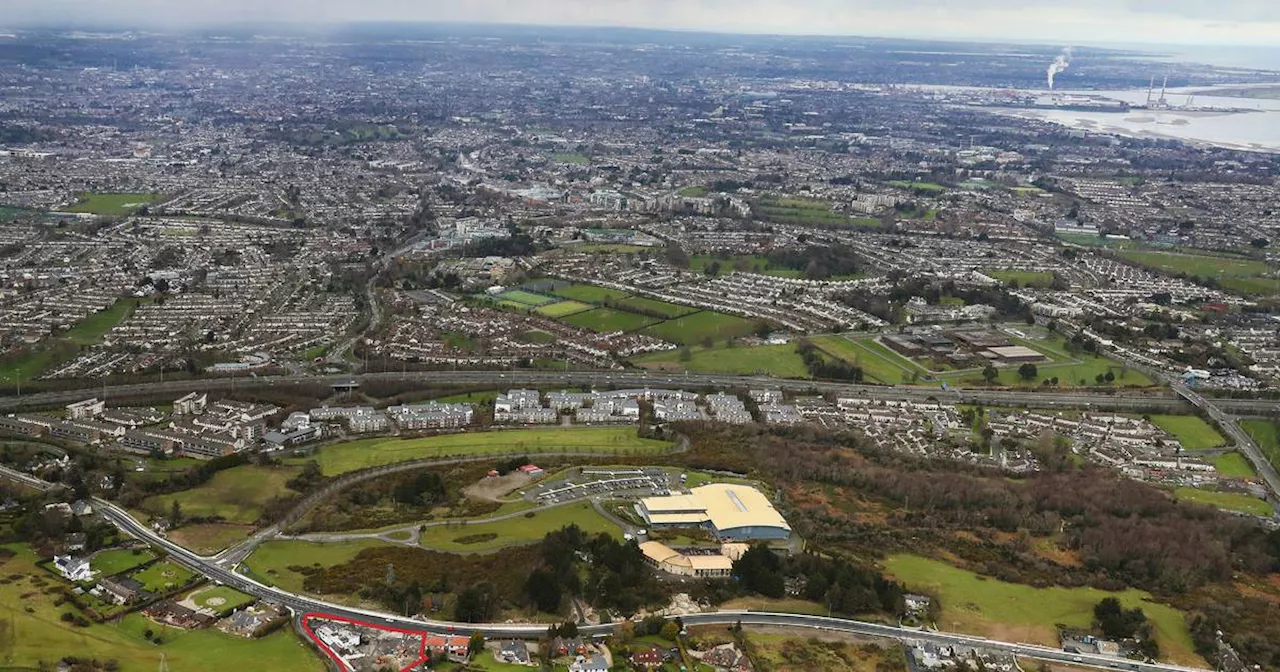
x: 453, y: 647
x: 532, y: 470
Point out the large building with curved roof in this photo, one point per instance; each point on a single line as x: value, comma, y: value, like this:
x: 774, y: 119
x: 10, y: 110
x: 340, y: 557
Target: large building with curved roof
x: 728, y: 510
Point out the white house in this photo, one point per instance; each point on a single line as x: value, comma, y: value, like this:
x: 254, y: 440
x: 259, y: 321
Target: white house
x: 73, y: 569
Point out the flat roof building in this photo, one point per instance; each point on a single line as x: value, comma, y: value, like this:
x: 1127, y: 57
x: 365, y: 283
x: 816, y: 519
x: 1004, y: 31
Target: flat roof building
x: 730, y: 511
x: 671, y: 561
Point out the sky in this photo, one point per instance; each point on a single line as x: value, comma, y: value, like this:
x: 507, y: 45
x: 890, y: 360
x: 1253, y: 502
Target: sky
x: 1196, y: 22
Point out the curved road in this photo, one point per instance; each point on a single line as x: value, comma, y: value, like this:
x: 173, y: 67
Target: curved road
x: 302, y: 604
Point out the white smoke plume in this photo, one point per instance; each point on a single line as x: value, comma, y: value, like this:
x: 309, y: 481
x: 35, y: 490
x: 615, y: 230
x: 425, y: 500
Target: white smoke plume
x: 1059, y: 64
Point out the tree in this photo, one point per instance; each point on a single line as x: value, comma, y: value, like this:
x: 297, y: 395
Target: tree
x: 990, y: 374
x: 1028, y: 371
x: 476, y: 644
x: 670, y: 631
x: 544, y: 590
x: 175, y: 514
x: 476, y: 603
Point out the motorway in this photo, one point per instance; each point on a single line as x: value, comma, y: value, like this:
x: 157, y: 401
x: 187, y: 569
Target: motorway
x: 1158, y: 400
x: 302, y: 604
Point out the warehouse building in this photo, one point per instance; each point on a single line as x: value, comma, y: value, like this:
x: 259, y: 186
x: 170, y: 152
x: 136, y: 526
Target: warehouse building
x: 730, y: 511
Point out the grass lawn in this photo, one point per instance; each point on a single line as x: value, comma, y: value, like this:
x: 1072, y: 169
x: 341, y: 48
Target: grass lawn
x: 786, y: 210
x: 1071, y: 370
x: 1228, y: 501
x: 782, y: 606
x: 589, y: 293
x: 527, y: 298
x: 562, y: 309
x: 878, y: 363
x: 695, y: 328
x: 221, y: 599
x: 485, y: 662
x: 237, y: 495
x: 1191, y: 431
x: 654, y: 307
x: 343, y: 457
x: 696, y: 191
x: 163, y: 576
x: 780, y: 361
x: 38, y: 635
x: 749, y: 263
x: 571, y: 158
x: 92, y: 328
x: 538, y: 336
x: 923, y: 187
x: 1234, y: 465
x: 1022, y: 278
x: 117, y: 204
x: 271, y: 561
x: 1266, y: 433
x: 1020, y: 613
x: 527, y: 529
x: 119, y: 560
x: 608, y: 320
x: 1241, y: 275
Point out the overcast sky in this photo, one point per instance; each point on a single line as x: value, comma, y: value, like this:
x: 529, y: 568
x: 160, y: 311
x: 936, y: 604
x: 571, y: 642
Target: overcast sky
x: 1255, y: 22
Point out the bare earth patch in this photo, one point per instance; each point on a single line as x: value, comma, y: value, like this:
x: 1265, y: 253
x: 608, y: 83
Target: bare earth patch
x: 494, y: 489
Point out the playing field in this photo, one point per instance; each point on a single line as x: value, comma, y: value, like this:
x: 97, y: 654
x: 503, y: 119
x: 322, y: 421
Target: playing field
x: 562, y: 309
x: 1234, y: 465
x: 93, y: 327
x: 878, y: 363
x: 527, y: 298
x: 1021, y: 278
x: 271, y: 561
x: 1266, y: 433
x: 1079, y: 370
x: 1020, y: 613
x: 117, y: 204
x: 116, y: 561
x: 221, y: 599
x: 589, y: 293
x: 608, y: 320
x: 806, y: 211
x: 780, y: 361
x: 236, y: 495
x: 1245, y: 276
x: 528, y: 528
x: 162, y: 577
x: 924, y: 187
x: 570, y: 158
x: 343, y: 457
x: 37, y: 634
x: 1191, y: 431
x: 1228, y: 501
x: 697, y: 327
x: 652, y: 307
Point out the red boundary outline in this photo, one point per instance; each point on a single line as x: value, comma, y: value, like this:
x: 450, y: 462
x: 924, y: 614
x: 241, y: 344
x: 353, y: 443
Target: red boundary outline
x: 306, y: 625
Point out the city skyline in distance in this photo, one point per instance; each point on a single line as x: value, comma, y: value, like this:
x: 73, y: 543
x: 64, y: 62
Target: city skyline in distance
x: 1189, y: 22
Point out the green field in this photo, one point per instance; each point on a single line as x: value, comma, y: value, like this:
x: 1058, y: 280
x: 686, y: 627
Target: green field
x: 163, y: 577
x: 526, y: 529
x: 694, y: 192
x: 608, y: 320
x: 37, y: 634
x: 1191, y: 431
x: 877, y: 362
x: 653, y: 307
x: 117, y: 204
x: 237, y: 495
x: 570, y: 158
x: 92, y: 328
x: 230, y: 599
x: 562, y: 309
x: 1245, y: 276
x: 806, y: 211
x: 922, y: 187
x: 1234, y: 465
x: 526, y: 298
x: 1010, y: 277
x: 1229, y: 501
x: 119, y: 560
x: 485, y: 662
x: 343, y: 457
x: 1071, y: 370
x: 697, y: 327
x: 208, y: 539
x: 271, y: 561
x: 748, y: 263
x: 1016, y: 612
x: 780, y: 361
x: 1266, y: 433
x: 589, y: 293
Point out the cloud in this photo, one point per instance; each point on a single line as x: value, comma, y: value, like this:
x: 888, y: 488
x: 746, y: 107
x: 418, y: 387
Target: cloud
x: 1193, y: 21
